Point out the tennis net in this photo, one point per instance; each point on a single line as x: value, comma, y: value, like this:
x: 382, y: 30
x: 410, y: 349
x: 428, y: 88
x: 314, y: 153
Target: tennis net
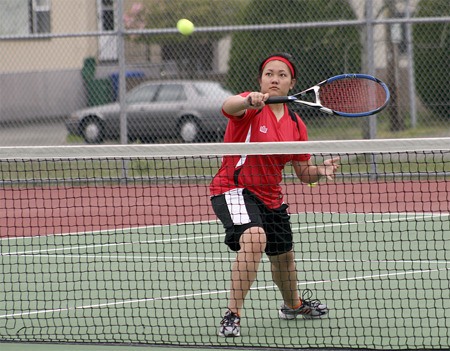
x: 119, y: 244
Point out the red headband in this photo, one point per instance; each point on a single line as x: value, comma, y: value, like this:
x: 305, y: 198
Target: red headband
x: 282, y: 59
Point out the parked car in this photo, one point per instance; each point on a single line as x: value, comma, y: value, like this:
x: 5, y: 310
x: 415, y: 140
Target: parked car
x: 186, y: 109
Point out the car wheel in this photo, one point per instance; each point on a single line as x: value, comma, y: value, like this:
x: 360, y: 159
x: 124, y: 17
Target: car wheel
x: 189, y: 130
x: 93, y: 130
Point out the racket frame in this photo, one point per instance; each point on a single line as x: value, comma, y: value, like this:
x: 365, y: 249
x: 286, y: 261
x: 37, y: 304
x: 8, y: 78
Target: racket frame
x: 317, y: 104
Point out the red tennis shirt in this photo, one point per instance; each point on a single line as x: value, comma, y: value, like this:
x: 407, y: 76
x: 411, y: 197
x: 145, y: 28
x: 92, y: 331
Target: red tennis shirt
x: 260, y: 174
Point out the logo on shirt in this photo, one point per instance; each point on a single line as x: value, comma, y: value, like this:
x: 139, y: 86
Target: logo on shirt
x: 263, y: 129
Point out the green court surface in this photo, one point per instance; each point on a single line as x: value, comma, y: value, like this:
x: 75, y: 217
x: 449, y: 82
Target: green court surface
x: 385, y: 278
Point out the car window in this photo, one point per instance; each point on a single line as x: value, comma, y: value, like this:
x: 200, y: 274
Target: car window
x: 211, y: 89
x: 142, y: 94
x: 171, y: 92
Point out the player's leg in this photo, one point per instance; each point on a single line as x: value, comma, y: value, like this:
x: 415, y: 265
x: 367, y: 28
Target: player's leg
x: 245, y: 266
x: 243, y: 274
x: 244, y: 234
x: 284, y: 274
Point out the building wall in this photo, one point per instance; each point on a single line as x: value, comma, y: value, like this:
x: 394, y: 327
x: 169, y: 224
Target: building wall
x: 41, y: 77
x: 67, y: 16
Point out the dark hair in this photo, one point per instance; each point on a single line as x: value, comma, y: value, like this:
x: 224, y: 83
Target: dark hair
x: 283, y: 55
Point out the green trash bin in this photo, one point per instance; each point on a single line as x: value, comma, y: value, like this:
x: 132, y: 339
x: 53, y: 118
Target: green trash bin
x: 99, y: 92
x: 88, y: 70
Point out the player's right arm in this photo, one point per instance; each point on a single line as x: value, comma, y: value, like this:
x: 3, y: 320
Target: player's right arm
x: 237, y: 104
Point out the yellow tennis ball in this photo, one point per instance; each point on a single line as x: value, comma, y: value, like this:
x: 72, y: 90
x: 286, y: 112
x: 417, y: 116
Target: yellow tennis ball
x: 312, y: 185
x: 185, y: 26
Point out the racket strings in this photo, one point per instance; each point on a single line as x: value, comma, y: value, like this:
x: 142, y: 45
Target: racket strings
x: 352, y: 95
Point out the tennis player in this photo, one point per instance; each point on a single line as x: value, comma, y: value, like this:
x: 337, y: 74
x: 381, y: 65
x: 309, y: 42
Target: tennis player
x: 247, y: 197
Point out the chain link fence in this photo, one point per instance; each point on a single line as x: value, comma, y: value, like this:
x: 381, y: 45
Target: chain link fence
x: 117, y: 71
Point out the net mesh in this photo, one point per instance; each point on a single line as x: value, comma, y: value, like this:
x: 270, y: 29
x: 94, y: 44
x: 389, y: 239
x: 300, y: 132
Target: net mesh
x: 119, y: 244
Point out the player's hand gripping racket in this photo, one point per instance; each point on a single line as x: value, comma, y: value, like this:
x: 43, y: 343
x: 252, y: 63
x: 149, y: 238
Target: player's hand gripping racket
x: 347, y: 95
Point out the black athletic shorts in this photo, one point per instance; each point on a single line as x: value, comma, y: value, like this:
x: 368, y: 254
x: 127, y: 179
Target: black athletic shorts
x: 239, y: 209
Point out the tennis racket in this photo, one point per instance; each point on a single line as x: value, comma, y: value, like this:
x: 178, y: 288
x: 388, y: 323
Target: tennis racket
x: 347, y: 95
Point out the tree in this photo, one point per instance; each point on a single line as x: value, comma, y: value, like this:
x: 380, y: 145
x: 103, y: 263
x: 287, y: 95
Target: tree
x: 319, y: 52
x: 432, y: 57
x: 187, y: 51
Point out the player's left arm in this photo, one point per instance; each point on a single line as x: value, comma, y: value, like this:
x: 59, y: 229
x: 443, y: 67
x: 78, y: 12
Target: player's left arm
x: 309, y: 173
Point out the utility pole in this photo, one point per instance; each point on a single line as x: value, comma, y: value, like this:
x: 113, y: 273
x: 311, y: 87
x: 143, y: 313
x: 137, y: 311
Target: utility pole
x: 393, y: 39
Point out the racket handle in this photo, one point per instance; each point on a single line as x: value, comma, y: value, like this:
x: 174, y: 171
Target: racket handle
x: 278, y: 100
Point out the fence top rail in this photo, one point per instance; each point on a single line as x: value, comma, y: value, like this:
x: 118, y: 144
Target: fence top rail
x: 234, y: 28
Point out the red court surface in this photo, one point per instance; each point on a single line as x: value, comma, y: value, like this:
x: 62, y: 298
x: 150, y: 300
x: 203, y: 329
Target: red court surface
x: 63, y: 210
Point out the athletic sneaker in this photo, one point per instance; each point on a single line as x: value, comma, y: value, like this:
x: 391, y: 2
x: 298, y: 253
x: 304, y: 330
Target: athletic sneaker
x: 230, y: 325
x: 308, y: 309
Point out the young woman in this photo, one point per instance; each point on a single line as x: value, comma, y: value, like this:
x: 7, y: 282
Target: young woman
x: 247, y: 197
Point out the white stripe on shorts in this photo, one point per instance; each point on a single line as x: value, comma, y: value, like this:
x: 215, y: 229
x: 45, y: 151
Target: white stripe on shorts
x: 236, y: 206
x: 244, y: 157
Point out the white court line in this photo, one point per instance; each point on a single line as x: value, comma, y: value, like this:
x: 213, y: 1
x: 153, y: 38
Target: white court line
x: 90, y: 246
x: 408, y: 216
x: 187, y: 259
x: 330, y: 225
x: 124, y: 230
x: 209, y: 293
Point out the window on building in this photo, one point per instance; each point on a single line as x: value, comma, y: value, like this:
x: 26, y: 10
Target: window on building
x: 40, y: 16
x: 108, y: 15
